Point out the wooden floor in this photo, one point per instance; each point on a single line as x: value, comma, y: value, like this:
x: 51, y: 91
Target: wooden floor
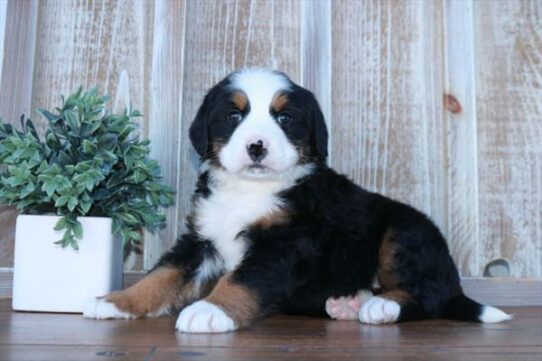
x: 34, y: 336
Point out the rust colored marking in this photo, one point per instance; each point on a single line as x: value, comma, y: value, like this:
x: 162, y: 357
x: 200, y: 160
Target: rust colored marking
x: 162, y: 288
x: 386, y: 263
x: 452, y: 104
x: 279, y: 102
x: 240, y: 100
x: 397, y: 295
x: 216, y: 147
x: 277, y: 217
x: 239, y: 302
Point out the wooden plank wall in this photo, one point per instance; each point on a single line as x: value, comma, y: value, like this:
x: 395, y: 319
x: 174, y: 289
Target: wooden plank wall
x: 435, y: 103
x: 508, y: 80
x: 19, y: 26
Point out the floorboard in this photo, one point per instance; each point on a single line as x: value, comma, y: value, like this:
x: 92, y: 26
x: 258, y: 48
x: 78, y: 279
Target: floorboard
x: 39, y: 336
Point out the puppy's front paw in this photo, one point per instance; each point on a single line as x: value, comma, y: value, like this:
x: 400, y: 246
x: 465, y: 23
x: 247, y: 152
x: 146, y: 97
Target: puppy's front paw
x: 100, y: 309
x: 379, y: 310
x: 204, y: 317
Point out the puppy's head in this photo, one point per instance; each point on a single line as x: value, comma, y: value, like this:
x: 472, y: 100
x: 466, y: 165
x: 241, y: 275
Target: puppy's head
x: 257, y: 123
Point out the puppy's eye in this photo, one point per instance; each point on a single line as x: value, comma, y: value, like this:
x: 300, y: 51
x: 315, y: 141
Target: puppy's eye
x: 235, y: 117
x: 284, y: 119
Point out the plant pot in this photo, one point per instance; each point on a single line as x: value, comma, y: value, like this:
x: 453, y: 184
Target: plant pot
x: 50, y: 278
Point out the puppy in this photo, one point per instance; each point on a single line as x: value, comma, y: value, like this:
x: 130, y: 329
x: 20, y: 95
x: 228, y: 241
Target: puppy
x: 274, y: 229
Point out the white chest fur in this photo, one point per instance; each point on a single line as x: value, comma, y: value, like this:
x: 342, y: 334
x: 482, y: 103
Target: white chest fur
x: 234, y: 204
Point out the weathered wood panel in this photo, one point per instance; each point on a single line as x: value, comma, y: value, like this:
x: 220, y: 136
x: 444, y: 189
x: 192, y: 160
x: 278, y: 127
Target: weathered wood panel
x: 460, y: 121
x: 19, y: 25
x: 3, y: 14
x: 166, y: 91
x: 316, y: 54
x: 508, y: 44
x: 387, y: 129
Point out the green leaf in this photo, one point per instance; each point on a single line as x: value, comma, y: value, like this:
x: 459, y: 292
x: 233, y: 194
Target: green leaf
x: 70, y: 101
x: 53, y: 118
x: 107, y: 142
x: 85, y: 206
x: 89, y: 147
x: 89, y: 129
x: 74, y: 245
x: 72, y: 203
x: 78, y: 230
x: 35, y: 159
x: 49, y: 188
x: 61, y: 224
x: 63, y: 158
x: 61, y: 201
x: 31, y: 129
x: 128, y: 218
x: 72, y: 121
x: 139, y: 176
x: 28, y: 189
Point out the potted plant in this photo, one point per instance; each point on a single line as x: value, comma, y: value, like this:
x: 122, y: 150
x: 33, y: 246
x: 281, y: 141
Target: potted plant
x: 84, y: 190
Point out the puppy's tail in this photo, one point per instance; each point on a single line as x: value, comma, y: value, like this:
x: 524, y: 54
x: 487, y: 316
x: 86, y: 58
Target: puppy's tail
x: 462, y: 308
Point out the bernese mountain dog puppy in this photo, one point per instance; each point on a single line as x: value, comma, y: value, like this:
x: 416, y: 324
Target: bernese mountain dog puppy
x: 274, y: 229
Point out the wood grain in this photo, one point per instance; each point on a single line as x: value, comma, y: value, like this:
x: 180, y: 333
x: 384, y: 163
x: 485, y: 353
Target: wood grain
x: 460, y: 120
x: 3, y: 14
x: 18, y: 55
x: 6, y: 282
x: 508, y: 49
x: 316, y: 29
x: 387, y: 100
x: 166, y: 93
x: 70, y: 337
x: 17, y: 65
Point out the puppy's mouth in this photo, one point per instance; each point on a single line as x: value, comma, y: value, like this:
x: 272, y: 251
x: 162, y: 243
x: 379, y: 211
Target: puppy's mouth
x: 257, y: 169
x: 256, y: 166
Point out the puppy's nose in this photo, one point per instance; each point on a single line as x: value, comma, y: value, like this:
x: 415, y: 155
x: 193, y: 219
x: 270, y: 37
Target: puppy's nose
x: 257, y: 151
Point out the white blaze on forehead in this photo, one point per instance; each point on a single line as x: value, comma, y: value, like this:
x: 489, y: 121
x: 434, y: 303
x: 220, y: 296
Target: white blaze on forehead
x: 260, y: 86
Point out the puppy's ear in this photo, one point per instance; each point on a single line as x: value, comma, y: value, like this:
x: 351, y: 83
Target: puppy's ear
x: 199, y: 130
x: 319, y: 135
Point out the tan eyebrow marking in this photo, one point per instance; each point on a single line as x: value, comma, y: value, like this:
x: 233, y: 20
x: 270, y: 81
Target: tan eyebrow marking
x: 240, y: 100
x: 279, y: 102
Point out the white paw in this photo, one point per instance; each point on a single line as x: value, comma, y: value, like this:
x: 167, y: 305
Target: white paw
x: 347, y: 308
x: 379, y: 310
x: 100, y: 309
x: 204, y: 317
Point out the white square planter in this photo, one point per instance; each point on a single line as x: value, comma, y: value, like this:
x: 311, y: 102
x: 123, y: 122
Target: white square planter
x: 50, y: 278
